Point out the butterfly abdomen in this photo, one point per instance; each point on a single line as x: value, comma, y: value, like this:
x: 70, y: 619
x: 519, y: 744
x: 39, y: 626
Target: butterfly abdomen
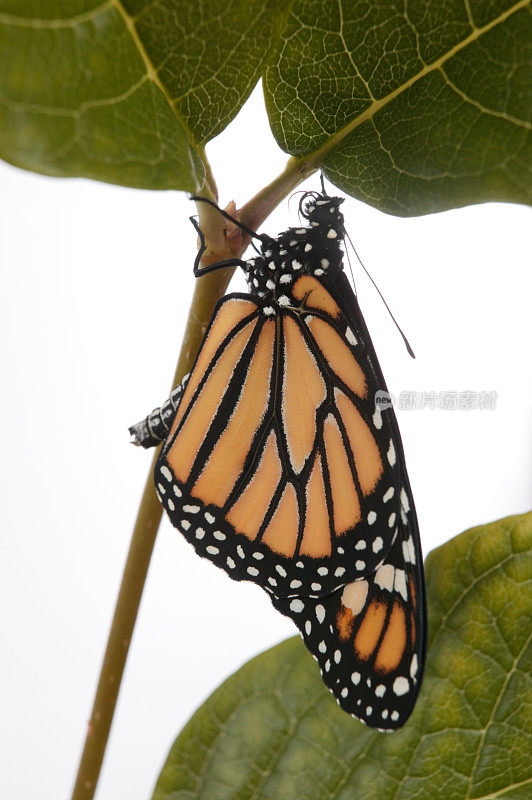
x: 154, y: 428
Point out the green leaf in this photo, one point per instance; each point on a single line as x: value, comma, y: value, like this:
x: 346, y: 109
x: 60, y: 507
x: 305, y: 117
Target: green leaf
x: 127, y: 91
x: 412, y: 107
x: 273, y: 732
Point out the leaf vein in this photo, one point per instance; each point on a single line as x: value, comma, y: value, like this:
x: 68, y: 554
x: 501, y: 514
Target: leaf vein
x: 494, y: 710
x: 368, y: 114
x: 14, y: 21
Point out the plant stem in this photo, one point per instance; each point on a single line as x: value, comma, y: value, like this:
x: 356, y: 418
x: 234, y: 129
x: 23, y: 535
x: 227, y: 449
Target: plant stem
x: 207, y: 292
x: 255, y: 211
x: 222, y: 242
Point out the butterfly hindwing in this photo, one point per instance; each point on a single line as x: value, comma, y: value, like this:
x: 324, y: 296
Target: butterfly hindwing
x: 369, y: 637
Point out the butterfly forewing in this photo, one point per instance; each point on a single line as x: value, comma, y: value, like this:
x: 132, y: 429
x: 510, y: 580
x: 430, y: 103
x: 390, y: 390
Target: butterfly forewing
x: 279, y: 468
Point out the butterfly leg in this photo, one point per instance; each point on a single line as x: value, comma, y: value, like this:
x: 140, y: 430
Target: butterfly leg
x: 302, y: 306
x: 154, y: 428
x: 224, y: 263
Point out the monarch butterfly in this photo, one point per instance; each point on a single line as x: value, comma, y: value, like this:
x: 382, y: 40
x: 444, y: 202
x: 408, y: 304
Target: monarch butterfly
x: 280, y: 467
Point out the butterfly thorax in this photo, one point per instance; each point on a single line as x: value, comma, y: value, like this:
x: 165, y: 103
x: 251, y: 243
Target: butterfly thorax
x: 311, y: 250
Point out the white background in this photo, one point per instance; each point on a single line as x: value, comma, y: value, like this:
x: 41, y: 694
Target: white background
x: 95, y: 286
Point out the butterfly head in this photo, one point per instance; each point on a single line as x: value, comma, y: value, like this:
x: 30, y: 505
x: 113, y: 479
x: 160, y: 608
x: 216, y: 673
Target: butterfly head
x: 323, y: 212
x: 311, y: 250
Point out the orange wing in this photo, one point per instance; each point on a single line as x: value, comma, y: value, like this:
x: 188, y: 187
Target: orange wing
x: 273, y: 468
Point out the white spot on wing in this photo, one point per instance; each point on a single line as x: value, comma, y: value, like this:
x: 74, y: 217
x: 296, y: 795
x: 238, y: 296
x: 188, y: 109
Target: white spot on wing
x: 400, y: 686
x: 400, y: 583
x: 338, y: 572
x: 414, y: 666
x: 351, y: 338
x: 391, y: 454
x: 388, y: 495
x: 384, y: 577
x: 406, y: 552
x: 320, y: 613
x: 165, y: 472
x: 411, y: 549
x: 354, y: 596
x: 297, y: 606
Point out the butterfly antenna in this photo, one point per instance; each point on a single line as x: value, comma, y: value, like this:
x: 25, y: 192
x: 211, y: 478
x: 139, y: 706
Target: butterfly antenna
x: 351, y: 271
x: 405, y: 340
x: 241, y: 225
x: 294, y: 194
